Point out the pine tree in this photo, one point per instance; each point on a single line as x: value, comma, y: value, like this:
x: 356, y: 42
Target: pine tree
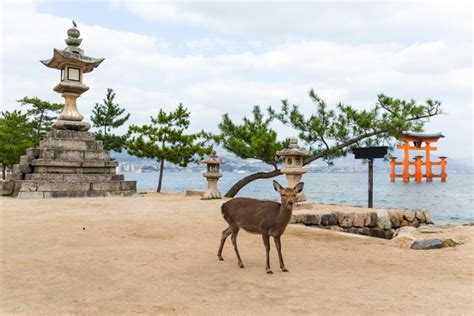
x: 106, y: 117
x: 40, y: 115
x: 329, y: 133
x: 165, y: 140
x: 16, y: 135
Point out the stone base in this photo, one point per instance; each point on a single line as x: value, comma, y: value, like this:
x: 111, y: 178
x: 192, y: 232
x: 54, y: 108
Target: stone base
x: 68, y: 163
x: 211, y: 195
x: 71, y: 125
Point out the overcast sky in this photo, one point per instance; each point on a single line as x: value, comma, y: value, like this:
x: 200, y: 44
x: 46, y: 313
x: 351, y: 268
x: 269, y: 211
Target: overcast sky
x: 218, y: 57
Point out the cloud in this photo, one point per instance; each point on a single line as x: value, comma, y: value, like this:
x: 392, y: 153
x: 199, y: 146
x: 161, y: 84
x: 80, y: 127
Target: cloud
x: 227, y: 74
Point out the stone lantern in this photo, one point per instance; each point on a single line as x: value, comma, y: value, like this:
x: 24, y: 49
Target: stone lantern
x: 212, y: 175
x: 73, y: 64
x: 293, y: 169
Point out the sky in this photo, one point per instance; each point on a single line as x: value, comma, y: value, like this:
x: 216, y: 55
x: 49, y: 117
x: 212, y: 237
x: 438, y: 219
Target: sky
x: 225, y: 57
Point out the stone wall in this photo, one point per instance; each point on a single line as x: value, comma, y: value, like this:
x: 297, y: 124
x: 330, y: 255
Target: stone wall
x: 380, y: 223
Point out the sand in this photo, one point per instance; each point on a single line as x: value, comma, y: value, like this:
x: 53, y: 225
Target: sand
x: 157, y: 254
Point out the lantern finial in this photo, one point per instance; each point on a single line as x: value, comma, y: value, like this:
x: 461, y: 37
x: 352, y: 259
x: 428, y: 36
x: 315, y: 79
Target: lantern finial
x: 73, y: 41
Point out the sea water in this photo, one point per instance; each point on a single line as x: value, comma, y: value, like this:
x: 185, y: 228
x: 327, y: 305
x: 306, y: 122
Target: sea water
x: 449, y: 202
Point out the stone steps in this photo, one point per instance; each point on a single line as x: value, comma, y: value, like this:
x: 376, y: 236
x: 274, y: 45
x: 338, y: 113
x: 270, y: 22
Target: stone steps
x: 68, y: 186
x: 67, y: 164
x: 71, y: 144
x: 71, y: 194
x: 74, y: 177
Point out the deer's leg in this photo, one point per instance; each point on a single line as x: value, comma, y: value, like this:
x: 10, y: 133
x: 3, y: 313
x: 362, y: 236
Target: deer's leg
x: 225, y: 234
x: 280, y: 257
x: 266, y: 242
x: 235, y: 232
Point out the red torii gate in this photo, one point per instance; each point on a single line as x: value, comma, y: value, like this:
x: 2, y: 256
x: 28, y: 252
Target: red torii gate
x: 417, y: 140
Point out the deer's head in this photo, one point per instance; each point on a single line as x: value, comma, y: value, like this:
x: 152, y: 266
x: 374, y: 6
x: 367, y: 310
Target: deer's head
x: 288, y: 195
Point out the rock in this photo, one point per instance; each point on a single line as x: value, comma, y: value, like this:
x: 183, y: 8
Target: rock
x: 427, y: 216
x: 414, y: 223
x: 351, y: 230
x: 383, y: 220
x: 377, y: 232
x: 426, y: 244
x: 420, y: 216
x: 402, y: 241
x: 359, y: 219
x: 364, y: 231
x: 336, y: 228
x: 404, y: 223
x: 396, y: 217
x: 452, y: 242
x: 409, y: 215
x: 371, y: 219
x: 312, y: 219
x: 345, y: 219
x: 329, y: 219
x: 429, y: 229
x: 388, y: 233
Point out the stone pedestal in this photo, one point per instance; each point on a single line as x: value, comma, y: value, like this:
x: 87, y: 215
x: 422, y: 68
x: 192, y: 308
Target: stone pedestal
x: 69, y: 163
x: 212, y: 192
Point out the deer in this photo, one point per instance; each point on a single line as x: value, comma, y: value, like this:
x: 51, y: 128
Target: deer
x: 267, y: 218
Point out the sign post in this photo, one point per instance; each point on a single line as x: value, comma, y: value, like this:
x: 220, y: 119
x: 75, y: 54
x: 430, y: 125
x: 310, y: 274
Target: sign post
x: 370, y: 153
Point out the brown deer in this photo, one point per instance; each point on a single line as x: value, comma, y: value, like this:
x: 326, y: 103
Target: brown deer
x: 267, y: 218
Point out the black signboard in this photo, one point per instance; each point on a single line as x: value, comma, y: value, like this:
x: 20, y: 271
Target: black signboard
x: 370, y: 153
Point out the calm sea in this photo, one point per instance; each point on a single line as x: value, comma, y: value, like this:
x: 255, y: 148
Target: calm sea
x: 449, y: 202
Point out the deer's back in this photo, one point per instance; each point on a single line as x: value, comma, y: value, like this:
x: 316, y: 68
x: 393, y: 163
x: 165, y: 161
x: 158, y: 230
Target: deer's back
x: 252, y: 215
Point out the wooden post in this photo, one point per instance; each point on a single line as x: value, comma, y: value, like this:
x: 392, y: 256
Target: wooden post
x: 443, y: 168
x: 392, y: 169
x: 371, y: 181
x: 406, y: 162
x: 429, y: 172
x: 418, y: 174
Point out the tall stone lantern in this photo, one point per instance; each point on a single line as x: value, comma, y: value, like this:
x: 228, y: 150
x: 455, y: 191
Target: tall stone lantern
x: 73, y: 64
x: 293, y: 169
x: 212, y: 175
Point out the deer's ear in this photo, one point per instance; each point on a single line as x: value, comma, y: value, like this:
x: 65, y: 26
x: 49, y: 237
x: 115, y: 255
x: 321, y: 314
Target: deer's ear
x: 277, y: 186
x: 299, y: 187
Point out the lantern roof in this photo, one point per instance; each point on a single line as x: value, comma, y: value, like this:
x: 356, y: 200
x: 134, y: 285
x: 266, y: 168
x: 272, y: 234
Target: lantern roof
x: 422, y: 136
x: 293, y: 149
x: 213, y: 159
x: 72, y: 54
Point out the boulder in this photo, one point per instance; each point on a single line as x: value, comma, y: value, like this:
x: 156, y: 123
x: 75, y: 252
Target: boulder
x: 383, y: 220
x: 427, y: 215
x: 409, y: 215
x: 345, y: 219
x: 359, y: 219
x: 329, y: 219
x: 312, y: 219
x: 425, y: 244
x: 420, y: 216
x: 371, y: 220
x: 396, y: 217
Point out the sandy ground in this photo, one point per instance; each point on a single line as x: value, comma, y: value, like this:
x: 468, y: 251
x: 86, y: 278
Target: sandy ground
x: 157, y: 254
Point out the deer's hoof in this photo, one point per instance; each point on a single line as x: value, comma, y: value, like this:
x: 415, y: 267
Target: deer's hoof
x: 241, y: 265
x: 220, y: 258
x: 285, y: 270
x: 269, y: 272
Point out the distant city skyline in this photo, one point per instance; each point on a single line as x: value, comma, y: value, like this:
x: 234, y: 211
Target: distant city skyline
x: 219, y: 57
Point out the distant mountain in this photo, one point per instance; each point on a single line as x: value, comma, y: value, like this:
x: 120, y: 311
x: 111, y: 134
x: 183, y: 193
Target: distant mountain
x: 236, y: 164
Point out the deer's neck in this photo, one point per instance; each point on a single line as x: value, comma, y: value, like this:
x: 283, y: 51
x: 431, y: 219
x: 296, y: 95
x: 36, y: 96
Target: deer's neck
x: 285, y: 215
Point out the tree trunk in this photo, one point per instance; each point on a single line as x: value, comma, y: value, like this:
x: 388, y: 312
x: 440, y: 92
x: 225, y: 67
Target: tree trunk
x: 246, y: 180
x: 4, y: 172
x: 160, y: 179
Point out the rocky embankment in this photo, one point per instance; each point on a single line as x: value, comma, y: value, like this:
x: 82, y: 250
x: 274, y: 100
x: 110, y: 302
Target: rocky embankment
x: 382, y: 223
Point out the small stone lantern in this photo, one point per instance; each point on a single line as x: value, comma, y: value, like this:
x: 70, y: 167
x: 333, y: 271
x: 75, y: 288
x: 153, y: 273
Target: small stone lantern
x: 212, y: 175
x: 293, y: 169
